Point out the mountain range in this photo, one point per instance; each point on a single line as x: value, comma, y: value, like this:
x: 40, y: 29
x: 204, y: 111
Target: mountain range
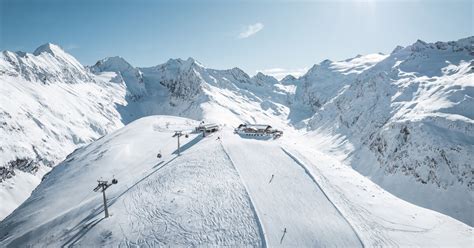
x: 404, y: 120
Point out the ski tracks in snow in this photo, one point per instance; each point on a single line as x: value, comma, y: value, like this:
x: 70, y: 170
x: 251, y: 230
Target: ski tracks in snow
x: 257, y: 219
x: 297, y: 161
x: 292, y: 209
x: 399, y: 226
x: 197, y: 202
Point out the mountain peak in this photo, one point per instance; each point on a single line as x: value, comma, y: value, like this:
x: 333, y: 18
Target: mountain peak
x: 419, y: 45
x: 260, y: 74
x: 116, y: 58
x: 262, y: 79
x: 50, y: 48
x: 115, y: 63
x: 396, y: 49
x: 184, y: 64
x: 288, y: 78
x: 239, y: 72
x: 49, y: 63
x: 420, y: 42
x: 326, y: 62
x: 191, y: 61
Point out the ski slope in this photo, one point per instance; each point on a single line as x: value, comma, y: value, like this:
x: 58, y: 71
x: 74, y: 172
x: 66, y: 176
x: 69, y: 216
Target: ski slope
x: 193, y: 199
x: 380, y: 218
x: 218, y: 192
x: 287, y: 198
x: 404, y: 119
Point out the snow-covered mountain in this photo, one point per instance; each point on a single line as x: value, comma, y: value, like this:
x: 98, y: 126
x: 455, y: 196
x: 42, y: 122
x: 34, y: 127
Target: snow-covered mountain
x: 323, y: 81
x: 53, y: 105
x: 219, y: 192
x: 131, y: 76
x: 187, y: 88
x: 408, y: 123
x: 404, y: 119
x: 48, y: 64
x: 50, y: 105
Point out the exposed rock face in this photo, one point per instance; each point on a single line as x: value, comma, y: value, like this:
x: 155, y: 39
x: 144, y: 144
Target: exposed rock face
x: 48, y: 64
x: 410, y: 113
x: 126, y: 73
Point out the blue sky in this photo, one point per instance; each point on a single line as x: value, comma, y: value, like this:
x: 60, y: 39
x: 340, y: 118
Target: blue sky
x: 252, y: 35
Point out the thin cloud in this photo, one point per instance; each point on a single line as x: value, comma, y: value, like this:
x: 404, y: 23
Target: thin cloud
x: 250, y: 30
x: 280, y: 73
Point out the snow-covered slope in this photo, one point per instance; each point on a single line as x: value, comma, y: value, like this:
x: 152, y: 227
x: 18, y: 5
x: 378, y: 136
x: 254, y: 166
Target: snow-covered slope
x: 187, y: 88
x: 50, y: 104
x: 407, y: 123
x: 175, y: 200
x: 404, y: 120
x: 219, y: 192
x: 323, y: 81
x: 48, y: 64
x: 132, y: 77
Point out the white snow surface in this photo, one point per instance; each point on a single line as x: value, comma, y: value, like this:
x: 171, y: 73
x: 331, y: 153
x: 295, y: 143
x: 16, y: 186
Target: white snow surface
x: 218, y: 192
x: 407, y: 123
x: 48, y: 64
x: 404, y: 121
x: 175, y: 200
x: 42, y: 123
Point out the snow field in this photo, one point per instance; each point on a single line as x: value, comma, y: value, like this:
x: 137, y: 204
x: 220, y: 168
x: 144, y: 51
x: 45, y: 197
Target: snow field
x: 190, y: 199
x: 380, y: 218
x: 44, y: 123
x: 290, y: 200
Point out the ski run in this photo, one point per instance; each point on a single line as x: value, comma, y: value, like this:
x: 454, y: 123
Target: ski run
x: 372, y: 151
x: 222, y: 190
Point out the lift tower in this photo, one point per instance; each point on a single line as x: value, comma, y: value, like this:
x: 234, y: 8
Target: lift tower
x: 103, y: 185
x: 178, y: 134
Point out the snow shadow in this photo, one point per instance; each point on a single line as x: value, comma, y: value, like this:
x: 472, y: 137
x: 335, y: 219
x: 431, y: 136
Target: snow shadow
x: 91, y: 220
x: 83, y: 231
x: 157, y: 165
x: 126, y: 111
x: 190, y: 144
x: 298, y: 114
x: 84, y: 226
x: 112, y: 202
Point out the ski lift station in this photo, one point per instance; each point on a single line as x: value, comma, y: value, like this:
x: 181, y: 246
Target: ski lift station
x: 258, y: 130
x: 207, y: 128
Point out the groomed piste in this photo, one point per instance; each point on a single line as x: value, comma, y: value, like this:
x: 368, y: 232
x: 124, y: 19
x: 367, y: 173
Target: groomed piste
x: 222, y: 190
